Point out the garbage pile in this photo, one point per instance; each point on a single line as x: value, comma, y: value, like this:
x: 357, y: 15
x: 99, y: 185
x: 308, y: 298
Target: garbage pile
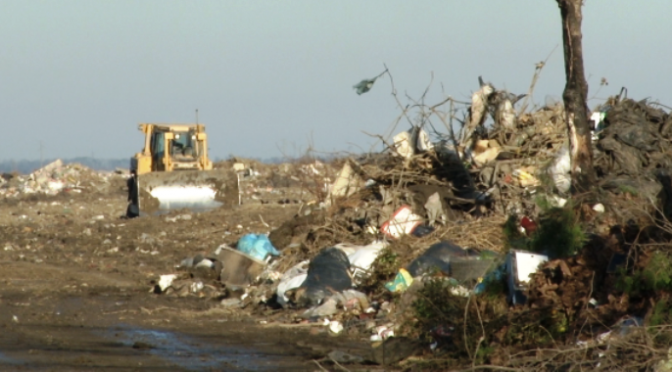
x: 634, y: 148
x: 514, y: 161
x: 302, y: 181
x: 470, y: 242
x: 54, y: 178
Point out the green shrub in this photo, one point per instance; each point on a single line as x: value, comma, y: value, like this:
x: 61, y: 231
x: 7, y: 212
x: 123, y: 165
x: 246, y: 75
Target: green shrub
x: 513, y: 238
x: 559, y: 234
x: 661, y: 314
x: 630, y: 283
x: 655, y: 277
x: 625, y: 189
x: 658, y: 272
x: 436, y: 305
x: 383, y: 269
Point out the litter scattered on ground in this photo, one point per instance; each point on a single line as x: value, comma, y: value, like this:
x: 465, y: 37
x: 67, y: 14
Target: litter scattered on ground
x: 471, y: 222
x: 291, y: 279
x: 166, y: 281
x: 257, y: 246
x: 328, y: 273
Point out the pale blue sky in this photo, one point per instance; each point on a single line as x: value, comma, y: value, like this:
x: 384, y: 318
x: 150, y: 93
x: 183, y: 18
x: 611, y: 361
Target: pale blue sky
x: 270, y: 77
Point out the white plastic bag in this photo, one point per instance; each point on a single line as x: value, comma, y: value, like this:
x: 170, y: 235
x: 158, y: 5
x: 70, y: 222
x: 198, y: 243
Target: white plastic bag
x: 291, y: 279
x: 560, y: 170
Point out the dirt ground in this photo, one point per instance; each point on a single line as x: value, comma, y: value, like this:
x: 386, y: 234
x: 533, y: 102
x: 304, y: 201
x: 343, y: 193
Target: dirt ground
x: 76, y: 295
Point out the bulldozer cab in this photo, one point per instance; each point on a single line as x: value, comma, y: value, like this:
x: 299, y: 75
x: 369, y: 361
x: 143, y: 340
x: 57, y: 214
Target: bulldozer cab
x: 179, y: 146
x: 170, y: 147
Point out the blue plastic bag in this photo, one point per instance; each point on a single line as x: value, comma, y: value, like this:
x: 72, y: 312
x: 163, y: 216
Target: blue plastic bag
x: 257, y: 246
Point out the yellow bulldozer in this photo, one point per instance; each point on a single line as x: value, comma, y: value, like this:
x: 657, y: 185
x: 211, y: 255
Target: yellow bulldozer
x: 173, y: 171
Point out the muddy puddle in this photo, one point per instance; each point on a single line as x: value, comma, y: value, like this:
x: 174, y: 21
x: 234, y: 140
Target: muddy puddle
x: 7, y: 361
x: 192, y: 354
x: 125, y: 347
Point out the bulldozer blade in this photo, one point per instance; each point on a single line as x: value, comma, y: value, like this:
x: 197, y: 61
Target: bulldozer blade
x: 160, y: 192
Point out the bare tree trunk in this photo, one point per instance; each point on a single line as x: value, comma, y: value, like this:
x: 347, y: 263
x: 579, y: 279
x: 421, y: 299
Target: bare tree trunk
x: 575, y: 95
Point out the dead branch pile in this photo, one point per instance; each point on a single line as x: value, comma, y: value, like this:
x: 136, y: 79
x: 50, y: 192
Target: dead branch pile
x: 634, y: 350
